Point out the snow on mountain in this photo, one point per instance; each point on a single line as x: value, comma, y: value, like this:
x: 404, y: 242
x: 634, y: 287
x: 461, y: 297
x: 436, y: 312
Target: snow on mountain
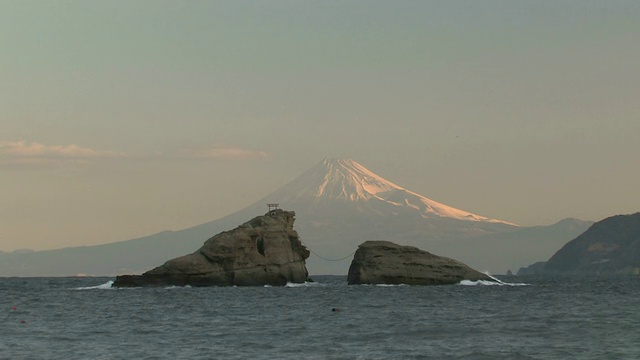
x: 347, y: 180
x: 339, y: 204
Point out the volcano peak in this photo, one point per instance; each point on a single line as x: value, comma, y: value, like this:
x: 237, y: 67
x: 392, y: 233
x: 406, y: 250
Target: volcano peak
x: 345, y: 180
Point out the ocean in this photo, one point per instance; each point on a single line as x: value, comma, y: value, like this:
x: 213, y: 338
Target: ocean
x: 524, y: 318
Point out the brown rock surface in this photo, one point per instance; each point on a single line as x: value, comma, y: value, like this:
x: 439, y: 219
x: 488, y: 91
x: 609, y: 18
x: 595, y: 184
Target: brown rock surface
x: 383, y: 262
x: 263, y: 251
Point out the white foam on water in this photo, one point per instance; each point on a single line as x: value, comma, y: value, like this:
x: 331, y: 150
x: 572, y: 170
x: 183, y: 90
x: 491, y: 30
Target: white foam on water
x: 304, y: 284
x: 506, y: 283
x: 479, y: 282
x: 105, y: 286
x: 495, y: 282
x: 391, y: 285
x: 178, y: 287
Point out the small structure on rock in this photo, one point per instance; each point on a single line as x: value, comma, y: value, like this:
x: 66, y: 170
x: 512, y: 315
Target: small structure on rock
x: 263, y: 251
x: 383, y: 262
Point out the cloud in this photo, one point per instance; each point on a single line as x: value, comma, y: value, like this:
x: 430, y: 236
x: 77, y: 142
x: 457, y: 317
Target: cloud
x: 33, y: 154
x: 221, y: 153
x: 21, y: 152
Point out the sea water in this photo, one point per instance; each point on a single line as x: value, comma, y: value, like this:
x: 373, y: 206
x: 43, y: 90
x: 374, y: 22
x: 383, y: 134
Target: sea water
x: 522, y: 318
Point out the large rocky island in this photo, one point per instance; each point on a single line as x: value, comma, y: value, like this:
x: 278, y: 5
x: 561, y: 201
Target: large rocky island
x: 610, y: 246
x: 384, y: 262
x: 263, y: 251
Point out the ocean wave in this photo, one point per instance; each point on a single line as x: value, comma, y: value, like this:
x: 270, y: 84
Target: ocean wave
x: 479, y: 282
x: 304, y: 284
x: 105, y: 286
x: 495, y: 282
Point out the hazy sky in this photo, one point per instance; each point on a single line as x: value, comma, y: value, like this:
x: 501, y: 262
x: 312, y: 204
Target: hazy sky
x: 119, y: 119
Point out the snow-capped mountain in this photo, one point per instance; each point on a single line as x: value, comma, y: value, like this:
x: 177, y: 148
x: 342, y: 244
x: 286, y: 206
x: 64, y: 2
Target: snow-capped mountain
x: 339, y: 204
x: 343, y: 180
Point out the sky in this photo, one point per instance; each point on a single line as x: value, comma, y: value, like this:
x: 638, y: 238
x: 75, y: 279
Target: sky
x: 120, y: 119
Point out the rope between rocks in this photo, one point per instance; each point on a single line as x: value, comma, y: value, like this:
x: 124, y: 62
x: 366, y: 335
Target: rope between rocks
x: 324, y: 258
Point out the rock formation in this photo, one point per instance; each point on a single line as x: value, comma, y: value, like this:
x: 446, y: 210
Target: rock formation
x: 263, y: 251
x: 609, y: 246
x: 535, y: 268
x: 383, y: 262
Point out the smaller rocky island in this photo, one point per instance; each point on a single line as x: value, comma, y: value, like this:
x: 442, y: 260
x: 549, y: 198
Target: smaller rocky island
x: 263, y: 251
x: 384, y: 262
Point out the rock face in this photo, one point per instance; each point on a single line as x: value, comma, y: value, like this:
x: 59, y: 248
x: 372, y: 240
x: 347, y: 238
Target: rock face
x: 608, y: 246
x: 383, y: 262
x: 263, y: 251
x: 533, y: 269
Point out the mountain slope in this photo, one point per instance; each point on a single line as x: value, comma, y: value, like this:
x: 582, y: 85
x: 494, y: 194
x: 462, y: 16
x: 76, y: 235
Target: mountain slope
x: 611, y: 245
x: 344, y: 180
x: 522, y: 246
x: 339, y: 204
